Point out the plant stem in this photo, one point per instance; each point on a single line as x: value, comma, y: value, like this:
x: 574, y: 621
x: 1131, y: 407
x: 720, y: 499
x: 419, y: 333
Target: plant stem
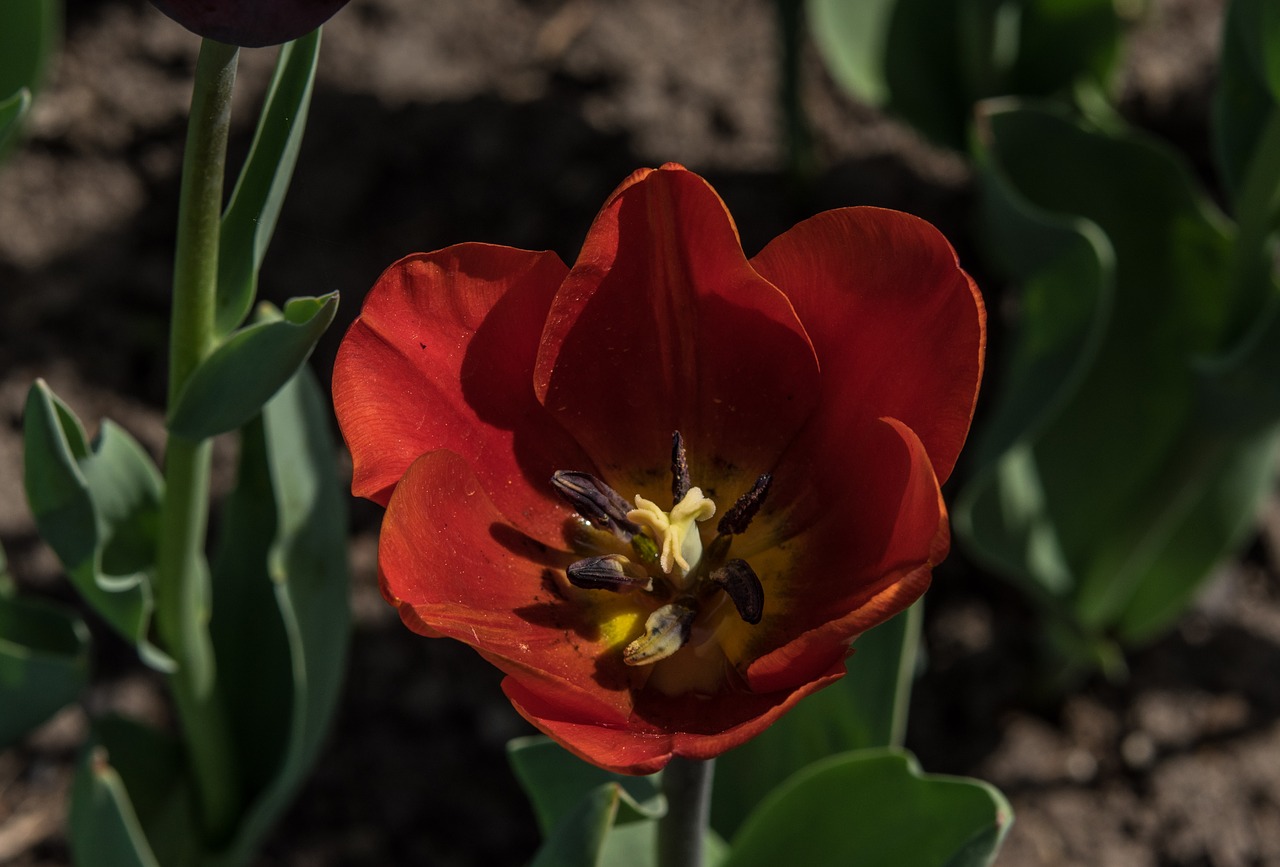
x: 182, y: 581
x: 682, y: 831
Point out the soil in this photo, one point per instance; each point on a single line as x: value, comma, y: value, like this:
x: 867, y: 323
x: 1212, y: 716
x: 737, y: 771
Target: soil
x: 510, y: 121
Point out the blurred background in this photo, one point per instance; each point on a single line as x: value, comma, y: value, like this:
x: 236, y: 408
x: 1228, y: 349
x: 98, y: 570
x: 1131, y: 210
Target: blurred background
x: 510, y: 121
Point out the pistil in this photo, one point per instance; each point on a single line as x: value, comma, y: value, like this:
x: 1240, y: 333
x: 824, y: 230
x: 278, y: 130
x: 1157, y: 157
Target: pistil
x: 665, y: 559
x: 676, y: 532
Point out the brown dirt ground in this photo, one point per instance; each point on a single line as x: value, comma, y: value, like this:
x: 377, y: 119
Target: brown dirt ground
x: 510, y: 121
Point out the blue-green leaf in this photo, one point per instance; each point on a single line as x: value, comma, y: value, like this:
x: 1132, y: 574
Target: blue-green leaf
x: 1107, y: 478
x: 874, y: 808
x: 578, y: 838
x: 230, y: 386
x: 865, y: 709
x: 131, y: 805
x: 250, y: 218
x: 44, y: 662
x: 556, y: 782
x: 12, y: 110
x: 103, y: 827
x: 29, y: 32
x: 97, y: 505
x: 1248, y: 89
x: 281, y: 618
x: 929, y: 61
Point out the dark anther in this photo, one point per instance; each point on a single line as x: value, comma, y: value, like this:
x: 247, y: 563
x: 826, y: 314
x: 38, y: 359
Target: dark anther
x: 609, y: 572
x: 739, y: 580
x: 739, y: 516
x: 595, y: 501
x: 680, y: 483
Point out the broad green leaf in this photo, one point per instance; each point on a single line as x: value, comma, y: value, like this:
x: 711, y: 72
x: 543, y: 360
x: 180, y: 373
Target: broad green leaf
x: 12, y: 111
x: 1121, y: 485
x: 44, y: 663
x: 250, y: 218
x: 103, y: 827
x: 635, y: 844
x: 1211, y: 511
x: 556, y: 782
x: 97, y: 505
x: 1248, y: 89
x: 578, y: 838
x: 592, y: 817
x: 873, y: 808
x: 29, y: 33
x: 150, y: 794
x: 852, y: 39
x: 230, y: 386
x: 1246, y: 128
x: 929, y: 61
x: 867, y: 708
x: 130, y: 804
x: 281, y: 619
x: 1065, y: 266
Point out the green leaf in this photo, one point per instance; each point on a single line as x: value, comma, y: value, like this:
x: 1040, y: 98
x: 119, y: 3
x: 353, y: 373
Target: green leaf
x: 578, y: 838
x: 852, y: 39
x: 556, y: 782
x: 29, y: 33
x: 867, y: 708
x: 230, y: 386
x: 592, y: 817
x: 1248, y: 87
x: 97, y: 505
x: 1065, y: 266
x: 130, y: 802
x: 251, y: 215
x: 281, y: 618
x: 12, y: 111
x: 44, y: 663
x: 103, y: 827
x: 872, y: 808
x: 929, y: 61
x: 1246, y: 129
x: 1120, y: 484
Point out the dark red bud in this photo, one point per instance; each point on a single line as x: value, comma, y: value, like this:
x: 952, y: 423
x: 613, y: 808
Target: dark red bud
x: 250, y: 23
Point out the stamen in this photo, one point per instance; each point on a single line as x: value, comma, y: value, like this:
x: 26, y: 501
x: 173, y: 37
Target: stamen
x: 595, y: 501
x: 678, y: 539
x: 739, y: 516
x: 665, y: 632
x: 608, y: 572
x: 741, y: 583
x: 680, y: 483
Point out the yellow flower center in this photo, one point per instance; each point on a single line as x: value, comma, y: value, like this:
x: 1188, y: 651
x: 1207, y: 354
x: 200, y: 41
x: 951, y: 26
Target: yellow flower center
x: 655, y: 563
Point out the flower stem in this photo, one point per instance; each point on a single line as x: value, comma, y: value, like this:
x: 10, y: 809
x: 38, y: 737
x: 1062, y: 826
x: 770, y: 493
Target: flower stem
x: 682, y: 831
x: 182, y: 580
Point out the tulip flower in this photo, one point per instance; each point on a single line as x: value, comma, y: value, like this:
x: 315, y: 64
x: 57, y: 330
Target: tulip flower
x: 250, y: 23
x: 665, y: 489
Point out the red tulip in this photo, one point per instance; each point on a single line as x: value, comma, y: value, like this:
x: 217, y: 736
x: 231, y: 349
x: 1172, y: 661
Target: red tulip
x: 650, y: 595
x: 250, y: 23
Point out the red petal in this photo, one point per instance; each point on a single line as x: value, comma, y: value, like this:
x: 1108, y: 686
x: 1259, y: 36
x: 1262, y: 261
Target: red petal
x: 899, y: 329
x: 864, y: 538
x: 663, y: 325
x: 453, y: 566
x: 442, y: 357
x: 661, y: 727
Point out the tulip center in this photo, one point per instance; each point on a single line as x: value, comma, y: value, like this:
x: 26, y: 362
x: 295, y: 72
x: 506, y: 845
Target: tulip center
x: 659, y: 555
x: 675, y: 533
